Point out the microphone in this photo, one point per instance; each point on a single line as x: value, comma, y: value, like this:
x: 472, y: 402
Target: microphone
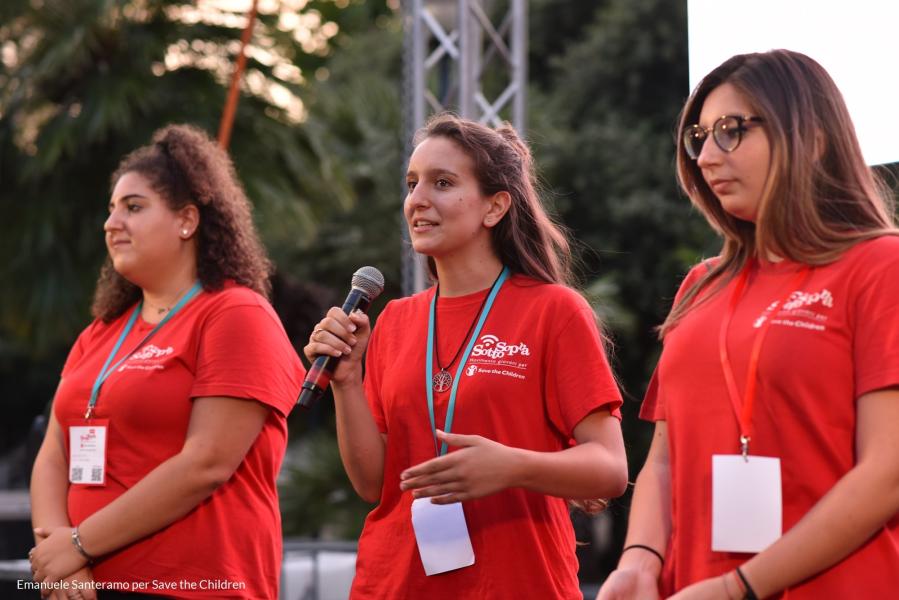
x: 367, y: 284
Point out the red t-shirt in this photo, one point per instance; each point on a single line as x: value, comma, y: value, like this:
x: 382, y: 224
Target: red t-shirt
x: 833, y: 341
x: 536, y: 371
x: 228, y: 343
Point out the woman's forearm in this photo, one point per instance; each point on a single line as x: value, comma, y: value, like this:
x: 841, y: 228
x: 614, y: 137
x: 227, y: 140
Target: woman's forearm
x: 860, y: 503
x: 595, y: 468
x: 848, y: 515
x: 50, y: 481
x: 49, y: 491
x: 166, y: 494
x: 584, y: 471
x: 361, y: 444
x: 649, y: 523
x: 220, y: 433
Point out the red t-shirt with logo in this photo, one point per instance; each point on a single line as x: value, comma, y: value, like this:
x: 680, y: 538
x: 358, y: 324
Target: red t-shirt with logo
x: 536, y: 371
x: 835, y: 339
x: 227, y: 343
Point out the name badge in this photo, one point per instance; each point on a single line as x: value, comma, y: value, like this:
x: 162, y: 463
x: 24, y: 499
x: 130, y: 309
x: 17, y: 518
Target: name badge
x: 747, y: 507
x: 441, y: 535
x: 87, y: 452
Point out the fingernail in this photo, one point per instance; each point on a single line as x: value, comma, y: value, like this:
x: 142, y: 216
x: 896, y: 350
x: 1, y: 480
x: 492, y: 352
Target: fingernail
x: 347, y: 350
x: 352, y: 327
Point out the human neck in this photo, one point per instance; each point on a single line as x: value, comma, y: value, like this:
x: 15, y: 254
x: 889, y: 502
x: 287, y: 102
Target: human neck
x: 160, y: 298
x: 458, y: 278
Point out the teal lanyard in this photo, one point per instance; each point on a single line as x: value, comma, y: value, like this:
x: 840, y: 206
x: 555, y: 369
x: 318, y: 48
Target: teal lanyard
x: 429, y: 361
x: 106, y: 371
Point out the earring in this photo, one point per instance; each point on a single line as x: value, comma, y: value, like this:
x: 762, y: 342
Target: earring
x: 184, y: 232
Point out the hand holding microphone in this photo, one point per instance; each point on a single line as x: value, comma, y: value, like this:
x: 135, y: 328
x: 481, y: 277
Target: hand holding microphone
x: 341, y: 337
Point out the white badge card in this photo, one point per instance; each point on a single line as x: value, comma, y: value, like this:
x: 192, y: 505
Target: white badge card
x: 87, y: 452
x: 442, y: 536
x: 747, y: 507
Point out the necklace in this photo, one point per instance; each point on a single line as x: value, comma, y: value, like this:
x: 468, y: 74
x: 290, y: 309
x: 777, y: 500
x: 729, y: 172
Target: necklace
x: 443, y: 379
x: 160, y: 310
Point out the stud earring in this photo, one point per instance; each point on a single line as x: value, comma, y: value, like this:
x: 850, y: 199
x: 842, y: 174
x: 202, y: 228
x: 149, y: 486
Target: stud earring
x: 184, y: 232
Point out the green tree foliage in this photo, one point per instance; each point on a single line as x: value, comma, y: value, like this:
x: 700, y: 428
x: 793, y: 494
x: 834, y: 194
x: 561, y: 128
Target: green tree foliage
x: 603, y: 115
x: 83, y: 82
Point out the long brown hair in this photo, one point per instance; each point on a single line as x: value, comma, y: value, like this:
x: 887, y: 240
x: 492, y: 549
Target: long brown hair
x: 820, y: 197
x: 527, y: 239
x: 184, y: 166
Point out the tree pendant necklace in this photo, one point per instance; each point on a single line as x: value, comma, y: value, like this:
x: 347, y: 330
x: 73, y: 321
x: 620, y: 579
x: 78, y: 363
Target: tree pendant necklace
x: 443, y: 379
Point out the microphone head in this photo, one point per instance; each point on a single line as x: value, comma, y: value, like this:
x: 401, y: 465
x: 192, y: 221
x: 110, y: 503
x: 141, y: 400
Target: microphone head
x: 370, y: 281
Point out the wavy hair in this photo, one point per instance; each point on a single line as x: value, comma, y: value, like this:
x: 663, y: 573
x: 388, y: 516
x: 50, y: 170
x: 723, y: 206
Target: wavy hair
x: 820, y: 198
x: 184, y: 166
x: 527, y: 239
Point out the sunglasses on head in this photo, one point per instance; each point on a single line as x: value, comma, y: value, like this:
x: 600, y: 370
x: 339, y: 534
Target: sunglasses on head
x: 727, y: 132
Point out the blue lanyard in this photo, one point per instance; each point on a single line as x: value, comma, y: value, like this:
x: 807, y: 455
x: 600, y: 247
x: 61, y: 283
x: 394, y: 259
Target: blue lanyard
x: 429, y: 361
x: 106, y: 371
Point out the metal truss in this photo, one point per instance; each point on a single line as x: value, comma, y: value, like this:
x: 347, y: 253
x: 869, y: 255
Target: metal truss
x: 468, y: 57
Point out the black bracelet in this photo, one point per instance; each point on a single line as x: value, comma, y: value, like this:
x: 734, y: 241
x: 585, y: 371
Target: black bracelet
x: 648, y: 549
x: 750, y: 593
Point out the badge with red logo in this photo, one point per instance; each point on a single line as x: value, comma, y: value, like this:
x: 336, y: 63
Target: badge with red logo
x: 87, y: 451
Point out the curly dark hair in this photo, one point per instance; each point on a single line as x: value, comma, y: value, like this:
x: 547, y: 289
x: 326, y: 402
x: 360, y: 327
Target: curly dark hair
x: 185, y: 166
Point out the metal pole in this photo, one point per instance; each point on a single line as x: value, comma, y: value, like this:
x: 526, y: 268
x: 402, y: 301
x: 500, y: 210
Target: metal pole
x: 461, y: 44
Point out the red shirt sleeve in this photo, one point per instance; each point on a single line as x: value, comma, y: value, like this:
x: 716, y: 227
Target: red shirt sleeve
x: 579, y: 379
x: 244, y: 353
x: 876, y: 316
x: 653, y: 408
x: 78, y: 347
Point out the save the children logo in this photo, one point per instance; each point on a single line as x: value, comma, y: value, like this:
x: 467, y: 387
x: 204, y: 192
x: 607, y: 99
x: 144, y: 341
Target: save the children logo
x: 491, y: 346
x: 494, y: 356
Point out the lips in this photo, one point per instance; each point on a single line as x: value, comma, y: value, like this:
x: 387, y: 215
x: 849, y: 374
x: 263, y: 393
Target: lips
x: 119, y: 243
x: 422, y: 225
x: 721, y: 185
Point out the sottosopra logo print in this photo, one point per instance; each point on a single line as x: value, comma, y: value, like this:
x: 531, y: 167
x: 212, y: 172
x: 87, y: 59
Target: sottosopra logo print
x: 492, y: 346
x: 803, y: 310
x: 148, y: 358
x: 494, y: 356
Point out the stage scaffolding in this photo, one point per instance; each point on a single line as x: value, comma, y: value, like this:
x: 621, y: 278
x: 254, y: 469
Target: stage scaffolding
x: 467, y: 56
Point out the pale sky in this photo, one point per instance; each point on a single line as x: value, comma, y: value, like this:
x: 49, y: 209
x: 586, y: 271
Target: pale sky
x: 856, y: 41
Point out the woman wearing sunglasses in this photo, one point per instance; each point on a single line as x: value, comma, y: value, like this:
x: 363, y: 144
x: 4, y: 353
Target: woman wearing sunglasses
x: 774, y: 468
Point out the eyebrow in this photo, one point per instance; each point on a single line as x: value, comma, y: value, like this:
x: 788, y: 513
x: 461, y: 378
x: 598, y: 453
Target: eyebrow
x: 126, y: 198
x: 435, y: 173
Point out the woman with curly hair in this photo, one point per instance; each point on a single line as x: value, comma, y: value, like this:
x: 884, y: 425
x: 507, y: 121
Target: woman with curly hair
x: 157, y: 472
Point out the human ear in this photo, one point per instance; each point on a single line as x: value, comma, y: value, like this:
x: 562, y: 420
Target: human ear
x: 499, y: 204
x: 188, y: 220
